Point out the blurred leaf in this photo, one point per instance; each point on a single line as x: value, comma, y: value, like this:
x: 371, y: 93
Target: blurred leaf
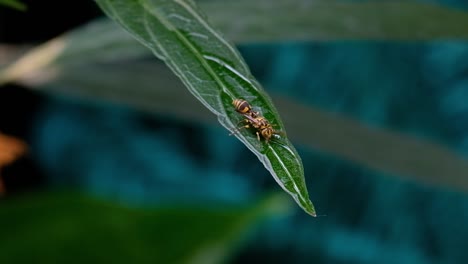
x: 246, y: 21
x: 71, y: 228
x: 96, y: 42
x: 215, y: 73
x: 325, y: 20
x: 14, y: 4
x: 376, y: 148
x: 10, y: 149
x: 349, y: 139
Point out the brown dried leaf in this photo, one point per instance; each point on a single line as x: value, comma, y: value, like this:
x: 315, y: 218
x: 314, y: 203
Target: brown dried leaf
x: 10, y: 149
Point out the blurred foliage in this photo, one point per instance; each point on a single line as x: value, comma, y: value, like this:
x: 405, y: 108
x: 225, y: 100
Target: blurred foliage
x: 72, y: 228
x: 10, y: 149
x: 331, y: 20
x: 15, y: 4
x: 306, y: 21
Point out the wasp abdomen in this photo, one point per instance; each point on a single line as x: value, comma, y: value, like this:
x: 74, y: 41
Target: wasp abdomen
x: 242, y: 106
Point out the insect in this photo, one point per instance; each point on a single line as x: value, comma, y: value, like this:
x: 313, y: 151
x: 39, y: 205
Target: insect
x: 255, y: 120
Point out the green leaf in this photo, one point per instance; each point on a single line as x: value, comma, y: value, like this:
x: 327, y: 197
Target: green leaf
x: 52, y: 227
x: 214, y: 72
x: 15, y: 4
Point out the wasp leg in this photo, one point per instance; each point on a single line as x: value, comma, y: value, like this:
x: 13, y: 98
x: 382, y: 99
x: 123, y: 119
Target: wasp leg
x: 258, y: 136
x: 237, y: 130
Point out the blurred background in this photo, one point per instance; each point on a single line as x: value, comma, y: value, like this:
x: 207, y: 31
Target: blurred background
x: 105, y: 156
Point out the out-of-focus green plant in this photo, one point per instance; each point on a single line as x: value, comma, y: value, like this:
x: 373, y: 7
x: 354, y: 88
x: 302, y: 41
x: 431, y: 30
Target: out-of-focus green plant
x: 15, y: 4
x: 54, y: 227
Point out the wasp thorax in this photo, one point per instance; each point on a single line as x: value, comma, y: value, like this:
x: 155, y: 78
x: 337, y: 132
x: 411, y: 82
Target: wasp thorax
x: 267, y: 133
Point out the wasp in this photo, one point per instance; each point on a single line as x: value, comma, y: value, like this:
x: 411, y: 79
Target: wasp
x: 255, y: 120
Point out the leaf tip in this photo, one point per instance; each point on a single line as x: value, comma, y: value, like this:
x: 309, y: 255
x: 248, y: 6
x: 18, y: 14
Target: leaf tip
x: 311, y: 211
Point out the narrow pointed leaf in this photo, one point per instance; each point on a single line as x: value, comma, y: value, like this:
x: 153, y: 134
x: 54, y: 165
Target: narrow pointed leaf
x: 214, y: 72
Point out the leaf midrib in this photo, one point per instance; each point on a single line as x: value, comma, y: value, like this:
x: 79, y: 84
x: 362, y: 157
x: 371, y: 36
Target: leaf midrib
x: 286, y: 170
